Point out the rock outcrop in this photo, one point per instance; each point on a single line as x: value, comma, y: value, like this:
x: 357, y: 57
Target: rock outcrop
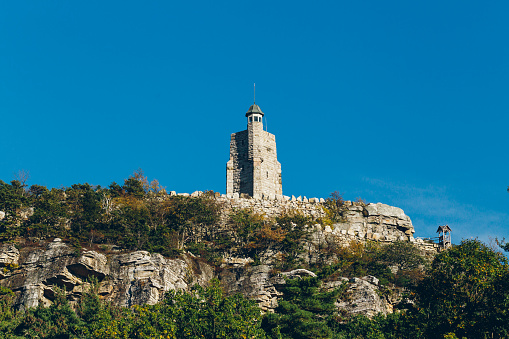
x: 143, y: 278
x: 254, y: 282
x: 362, y: 297
x: 378, y: 222
x: 126, y: 279
x: 9, y: 255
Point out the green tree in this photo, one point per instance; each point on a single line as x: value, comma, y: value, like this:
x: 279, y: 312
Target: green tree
x: 208, y: 313
x: 100, y: 317
x: 85, y: 207
x: 56, y: 321
x: 203, y: 313
x: 136, y: 185
x: 503, y: 244
x: 406, y: 257
x: 191, y: 216
x: 50, y: 213
x: 392, y: 326
x: 115, y: 190
x: 402, y: 253
x: 295, y: 236
x: 12, y: 201
x: 9, y: 317
x: 465, y: 292
x: 334, y: 207
x: 305, y: 311
x: 246, y: 224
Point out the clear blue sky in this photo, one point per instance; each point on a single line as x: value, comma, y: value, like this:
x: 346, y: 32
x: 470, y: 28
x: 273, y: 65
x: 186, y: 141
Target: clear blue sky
x: 400, y: 102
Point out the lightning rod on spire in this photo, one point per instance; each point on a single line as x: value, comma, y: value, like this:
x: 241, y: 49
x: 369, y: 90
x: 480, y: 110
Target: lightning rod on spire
x: 254, y: 93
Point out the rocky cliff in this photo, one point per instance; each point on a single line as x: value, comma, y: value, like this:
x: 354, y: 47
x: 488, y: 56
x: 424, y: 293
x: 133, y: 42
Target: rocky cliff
x: 34, y: 270
x: 143, y: 278
x: 126, y: 279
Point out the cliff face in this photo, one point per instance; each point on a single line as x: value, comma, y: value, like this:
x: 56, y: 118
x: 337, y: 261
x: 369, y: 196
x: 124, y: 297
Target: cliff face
x: 140, y: 277
x: 362, y: 295
x: 126, y: 279
x: 143, y: 278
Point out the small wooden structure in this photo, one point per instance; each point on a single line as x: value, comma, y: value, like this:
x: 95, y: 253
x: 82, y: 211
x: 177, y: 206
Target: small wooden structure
x: 444, y: 237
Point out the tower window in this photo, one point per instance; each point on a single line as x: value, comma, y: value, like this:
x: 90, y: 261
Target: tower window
x: 255, y: 119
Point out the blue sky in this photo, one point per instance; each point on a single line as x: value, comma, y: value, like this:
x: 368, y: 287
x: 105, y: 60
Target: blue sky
x: 400, y: 102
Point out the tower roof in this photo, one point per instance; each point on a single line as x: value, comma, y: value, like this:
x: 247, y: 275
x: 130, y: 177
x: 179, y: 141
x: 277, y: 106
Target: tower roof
x: 444, y: 228
x: 254, y: 109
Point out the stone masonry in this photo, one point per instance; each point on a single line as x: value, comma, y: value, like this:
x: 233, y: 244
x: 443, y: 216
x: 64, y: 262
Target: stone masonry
x: 378, y: 222
x: 253, y: 168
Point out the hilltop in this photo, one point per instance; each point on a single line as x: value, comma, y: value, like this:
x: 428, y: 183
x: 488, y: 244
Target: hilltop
x: 135, y: 242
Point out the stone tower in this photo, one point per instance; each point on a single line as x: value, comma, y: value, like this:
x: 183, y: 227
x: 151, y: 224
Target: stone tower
x: 253, y: 167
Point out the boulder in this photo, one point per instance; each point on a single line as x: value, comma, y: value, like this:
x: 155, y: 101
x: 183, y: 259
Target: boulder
x: 9, y: 255
x: 298, y: 273
x: 385, y: 210
x: 362, y: 297
x: 254, y: 283
x: 26, y: 213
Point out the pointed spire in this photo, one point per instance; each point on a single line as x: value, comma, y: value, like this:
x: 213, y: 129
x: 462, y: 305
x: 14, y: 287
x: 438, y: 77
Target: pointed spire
x: 254, y: 107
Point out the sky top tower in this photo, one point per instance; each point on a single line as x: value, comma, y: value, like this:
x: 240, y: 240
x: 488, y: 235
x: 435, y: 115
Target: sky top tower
x: 253, y: 168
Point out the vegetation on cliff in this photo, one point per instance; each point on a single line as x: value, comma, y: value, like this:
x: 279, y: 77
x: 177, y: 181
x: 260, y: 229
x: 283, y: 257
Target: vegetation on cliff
x: 135, y: 216
x: 462, y: 293
x: 204, y: 313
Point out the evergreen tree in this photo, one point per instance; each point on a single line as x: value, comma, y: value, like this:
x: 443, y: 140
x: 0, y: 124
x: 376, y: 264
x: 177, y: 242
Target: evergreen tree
x: 305, y: 311
x: 57, y: 321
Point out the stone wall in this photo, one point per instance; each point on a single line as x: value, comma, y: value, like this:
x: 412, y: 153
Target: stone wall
x: 274, y: 207
x: 378, y: 222
x: 239, y: 169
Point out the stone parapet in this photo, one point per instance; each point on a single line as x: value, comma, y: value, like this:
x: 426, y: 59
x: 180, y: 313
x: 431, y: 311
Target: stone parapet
x: 360, y: 221
x: 378, y: 222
